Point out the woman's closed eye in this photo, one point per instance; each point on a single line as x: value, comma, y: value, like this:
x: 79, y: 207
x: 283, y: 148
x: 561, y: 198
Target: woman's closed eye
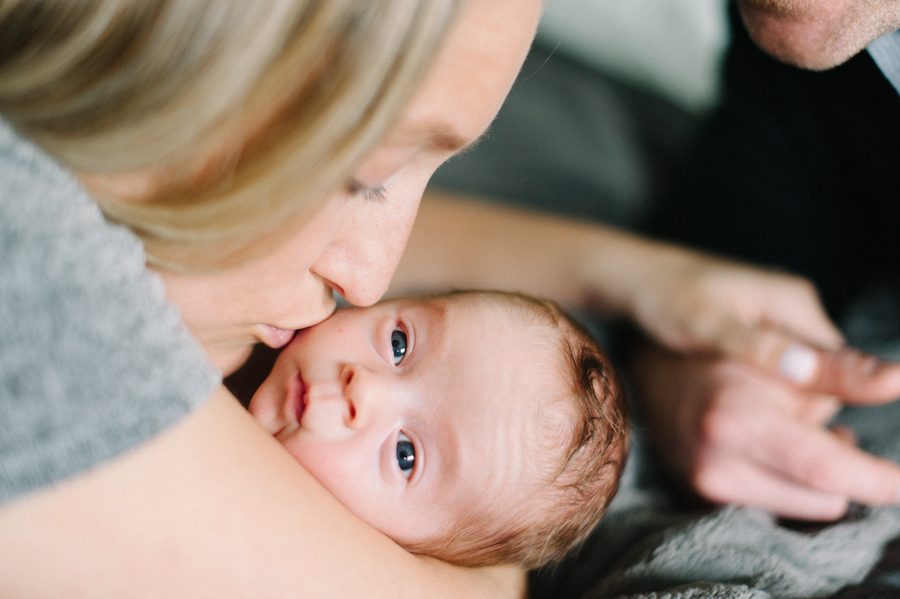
x: 406, y: 454
x: 370, y: 193
x: 398, y: 345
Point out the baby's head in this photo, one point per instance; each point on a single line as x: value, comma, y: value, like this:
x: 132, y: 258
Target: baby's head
x: 477, y: 427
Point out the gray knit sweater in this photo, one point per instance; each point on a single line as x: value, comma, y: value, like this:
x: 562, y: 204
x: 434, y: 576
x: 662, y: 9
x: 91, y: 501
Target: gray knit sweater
x: 93, y: 359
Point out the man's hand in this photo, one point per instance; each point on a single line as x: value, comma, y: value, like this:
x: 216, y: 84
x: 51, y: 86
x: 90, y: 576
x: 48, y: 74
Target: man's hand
x: 738, y: 434
x: 739, y: 404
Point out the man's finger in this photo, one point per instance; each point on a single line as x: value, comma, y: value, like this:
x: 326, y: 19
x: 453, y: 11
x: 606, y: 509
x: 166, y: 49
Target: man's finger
x: 844, y: 433
x: 729, y: 478
x: 818, y: 458
x: 856, y: 377
x: 815, y: 408
x: 846, y: 373
x: 772, y: 350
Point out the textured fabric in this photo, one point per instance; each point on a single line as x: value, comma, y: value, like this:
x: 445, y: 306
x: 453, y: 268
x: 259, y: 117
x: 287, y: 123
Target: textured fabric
x: 93, y: 359
x: 651, y: 544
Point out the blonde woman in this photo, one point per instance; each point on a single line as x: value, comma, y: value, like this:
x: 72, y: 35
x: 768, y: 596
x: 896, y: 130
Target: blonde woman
x: 260, y: 155
x: 266, y: 153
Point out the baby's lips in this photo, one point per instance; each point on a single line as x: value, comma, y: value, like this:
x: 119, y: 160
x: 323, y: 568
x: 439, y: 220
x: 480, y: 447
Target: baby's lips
x: 296, y: 401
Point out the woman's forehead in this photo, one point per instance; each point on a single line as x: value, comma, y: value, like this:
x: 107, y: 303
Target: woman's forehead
x: 473, y: 71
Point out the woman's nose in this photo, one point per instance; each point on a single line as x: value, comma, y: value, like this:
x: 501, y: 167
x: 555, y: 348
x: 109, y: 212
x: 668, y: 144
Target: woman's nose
x: 361, y: 260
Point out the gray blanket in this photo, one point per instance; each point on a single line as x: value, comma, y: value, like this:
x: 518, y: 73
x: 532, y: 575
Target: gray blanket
x: 651, y: 546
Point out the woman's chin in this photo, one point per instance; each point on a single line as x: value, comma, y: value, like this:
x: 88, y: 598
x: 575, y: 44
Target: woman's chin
x: 230, y: 360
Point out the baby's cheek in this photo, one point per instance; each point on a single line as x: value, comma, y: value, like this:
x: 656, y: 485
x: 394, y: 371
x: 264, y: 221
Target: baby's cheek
x: 265, y: 408
x: 322, y: 460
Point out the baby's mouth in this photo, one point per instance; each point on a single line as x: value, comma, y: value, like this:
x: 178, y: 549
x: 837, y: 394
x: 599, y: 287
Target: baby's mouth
x: 296, y: 402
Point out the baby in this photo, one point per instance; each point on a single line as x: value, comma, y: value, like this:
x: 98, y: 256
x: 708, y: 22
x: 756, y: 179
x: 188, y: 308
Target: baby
x: 477, y: 427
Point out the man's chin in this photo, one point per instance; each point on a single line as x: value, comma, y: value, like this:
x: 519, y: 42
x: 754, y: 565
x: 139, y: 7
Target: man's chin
x: 815, y: 42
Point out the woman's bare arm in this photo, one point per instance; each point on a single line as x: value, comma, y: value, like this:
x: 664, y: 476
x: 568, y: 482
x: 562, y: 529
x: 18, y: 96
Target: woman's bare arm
x: 213, y: 508
x: 457, y: 242
x: 687, y: 300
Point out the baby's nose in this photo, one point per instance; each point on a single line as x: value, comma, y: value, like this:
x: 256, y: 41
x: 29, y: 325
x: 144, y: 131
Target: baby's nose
x: 361, y: 391
x: 328, y: 404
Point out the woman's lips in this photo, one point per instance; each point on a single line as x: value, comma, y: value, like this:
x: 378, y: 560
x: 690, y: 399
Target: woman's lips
x: 274, y: 337
x: 296, y: 404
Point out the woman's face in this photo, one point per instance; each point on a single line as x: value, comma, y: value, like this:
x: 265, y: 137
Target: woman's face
x: 352, y: 244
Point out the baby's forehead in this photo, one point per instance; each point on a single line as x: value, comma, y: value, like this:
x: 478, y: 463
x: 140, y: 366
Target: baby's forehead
x: 528, y: 339
x: 538, y: 361
x: 522, y: 313
x: 517, y: 430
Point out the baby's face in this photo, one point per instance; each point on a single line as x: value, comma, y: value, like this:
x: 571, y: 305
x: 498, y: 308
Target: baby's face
x: 412, y: 412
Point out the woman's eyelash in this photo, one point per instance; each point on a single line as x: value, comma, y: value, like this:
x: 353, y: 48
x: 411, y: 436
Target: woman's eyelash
x: 369, y: 193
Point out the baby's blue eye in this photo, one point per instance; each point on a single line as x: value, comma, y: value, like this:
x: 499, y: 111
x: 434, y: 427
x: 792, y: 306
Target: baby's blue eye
x: 398, y: 345
x: 406, y: 454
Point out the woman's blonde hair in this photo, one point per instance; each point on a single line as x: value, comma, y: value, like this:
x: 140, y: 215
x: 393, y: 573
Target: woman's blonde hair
x: 247, y: 112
